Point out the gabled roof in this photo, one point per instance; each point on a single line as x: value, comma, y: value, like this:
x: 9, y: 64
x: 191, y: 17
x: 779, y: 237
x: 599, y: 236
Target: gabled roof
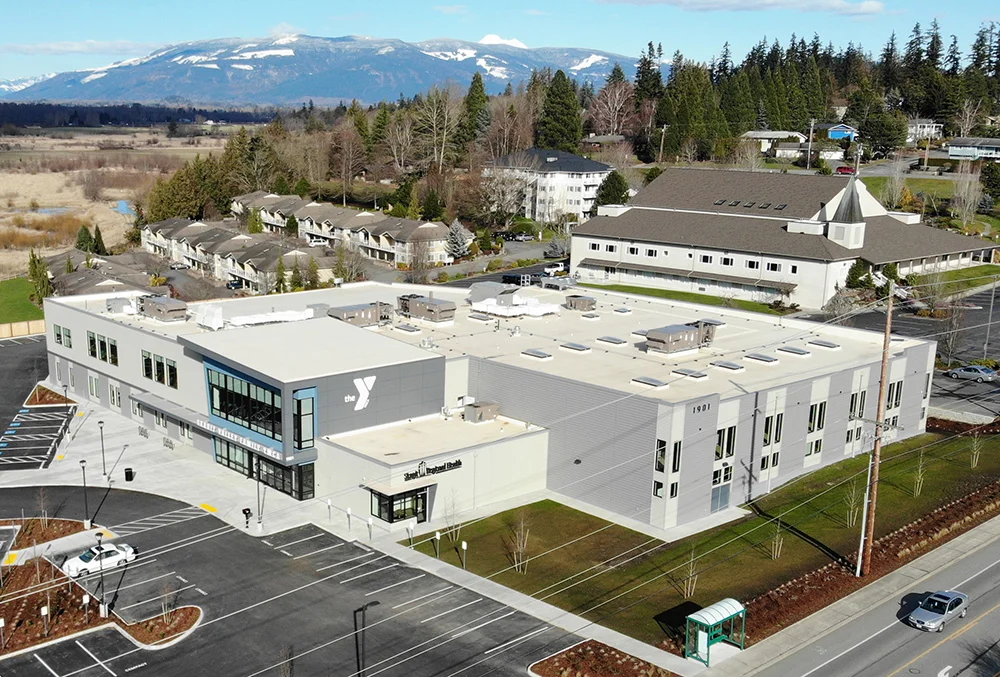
x: 248, y: 197
x: 849, y: 209
x: 769, y: 134
x: 169, y: 227
x: 548, y: 161
x: 975, y: 142
x: 286, y: 204
x: 406, y: 230
x: 836, y: 125
x: 700, y: 189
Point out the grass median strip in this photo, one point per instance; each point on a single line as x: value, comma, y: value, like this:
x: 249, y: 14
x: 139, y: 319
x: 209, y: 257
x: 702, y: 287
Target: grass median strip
x: 633, y: 584
x: 687, y: 297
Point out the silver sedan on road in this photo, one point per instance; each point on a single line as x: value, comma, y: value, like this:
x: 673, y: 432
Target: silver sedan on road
x: 938, y: 609
x: 973, y: 373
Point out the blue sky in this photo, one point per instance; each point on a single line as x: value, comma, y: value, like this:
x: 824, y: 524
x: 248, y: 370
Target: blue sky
x: 42, y: 36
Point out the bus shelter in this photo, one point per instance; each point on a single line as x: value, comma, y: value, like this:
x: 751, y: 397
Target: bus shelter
x: 724, y: 621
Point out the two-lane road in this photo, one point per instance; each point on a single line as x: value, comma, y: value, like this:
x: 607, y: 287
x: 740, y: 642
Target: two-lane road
x: 881, y: 644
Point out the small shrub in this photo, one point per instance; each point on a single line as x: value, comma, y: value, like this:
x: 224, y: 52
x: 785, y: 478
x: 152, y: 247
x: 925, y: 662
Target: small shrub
x: 496, y: 264
x: 441, y: 277
x: 34, y: 205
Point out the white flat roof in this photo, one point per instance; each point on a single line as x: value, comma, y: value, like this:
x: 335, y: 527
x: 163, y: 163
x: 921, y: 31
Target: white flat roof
x: 312, y: 347
x: 425, y: 437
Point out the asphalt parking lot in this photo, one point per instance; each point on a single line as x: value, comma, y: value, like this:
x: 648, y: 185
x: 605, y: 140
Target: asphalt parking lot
x: 29, y: 437
x: 293, y: 591
x: 536, y: 269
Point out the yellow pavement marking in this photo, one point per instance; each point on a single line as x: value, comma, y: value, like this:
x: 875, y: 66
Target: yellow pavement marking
x: 10, y: 559
x: 60, y: 457
x: 108, y: 534
x: 79, y: 413
x: 209, y: 508
x: 968, y: 626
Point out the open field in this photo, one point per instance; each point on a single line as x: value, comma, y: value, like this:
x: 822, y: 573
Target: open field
x: 15, y: 305
x: 940, y: 188
x: 629, y: 581
x: 955, y: 281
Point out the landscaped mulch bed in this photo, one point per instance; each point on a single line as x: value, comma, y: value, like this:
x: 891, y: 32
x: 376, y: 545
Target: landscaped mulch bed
x: 34, y: 531
x: 940, y: 425
x: 594, y: 659
x: 27, y: 588
x: 42, y: 395
x: 793, y: 601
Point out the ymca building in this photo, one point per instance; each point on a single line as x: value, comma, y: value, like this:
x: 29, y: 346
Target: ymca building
x: 407, y: 403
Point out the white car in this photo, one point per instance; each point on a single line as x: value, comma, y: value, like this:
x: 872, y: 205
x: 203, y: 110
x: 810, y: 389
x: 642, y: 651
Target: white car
x: 553, y: 268
x: 106, y: 556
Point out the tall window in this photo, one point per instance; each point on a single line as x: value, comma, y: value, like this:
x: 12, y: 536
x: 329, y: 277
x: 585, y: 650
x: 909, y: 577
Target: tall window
x: 675, y: 466
x: 247, y: 404
x: 113, y: 352
x: 91, y: 344
x: 895, y: 395
x: 57, y: 333
x: 725, y: 442
x: 661, y: 455
x: 159, y: 369
x: 147, y: 364
x: 817, y: 416
x: 171, y: 373
x: 67, y: 337
x: 858, y: 404
x: 102, y: 348
x: 303, y: 423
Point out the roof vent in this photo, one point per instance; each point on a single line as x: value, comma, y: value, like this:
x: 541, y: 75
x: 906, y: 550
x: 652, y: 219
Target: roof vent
x: 612, y: 340
x: 576, y: 347
x: 730, y: 366
x: 793, y: 350
x: 691, y: 373
x: 551, y: 159
x: 408, y: 328
x: 760, y: 357
x: 822, y: 343
x: 536, y: 354
x: 649, y: 381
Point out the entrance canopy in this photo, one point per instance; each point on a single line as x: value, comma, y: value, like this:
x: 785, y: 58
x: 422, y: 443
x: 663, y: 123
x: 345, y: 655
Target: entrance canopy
x: 724, y: 621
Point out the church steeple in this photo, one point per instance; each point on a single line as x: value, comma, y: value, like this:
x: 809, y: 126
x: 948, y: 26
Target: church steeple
x: 849, y: 209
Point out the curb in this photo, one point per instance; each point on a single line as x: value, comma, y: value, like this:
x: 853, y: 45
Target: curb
x: 885, y: 597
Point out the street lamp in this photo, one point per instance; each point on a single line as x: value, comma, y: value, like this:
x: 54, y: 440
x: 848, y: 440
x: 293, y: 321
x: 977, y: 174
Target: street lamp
x: 86, y: 505
x: 100, y: 563
x: 66, y: 397
x: 104, y: 465
x: 359, y: 636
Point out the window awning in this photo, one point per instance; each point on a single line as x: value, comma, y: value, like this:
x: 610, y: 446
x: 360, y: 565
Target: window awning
x: 697, y: 274
x: 392, y: 490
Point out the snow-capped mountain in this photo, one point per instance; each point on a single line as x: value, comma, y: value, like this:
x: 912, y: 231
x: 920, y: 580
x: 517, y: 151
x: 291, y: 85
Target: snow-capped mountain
x: 295, y: 68
x: 17, y: 84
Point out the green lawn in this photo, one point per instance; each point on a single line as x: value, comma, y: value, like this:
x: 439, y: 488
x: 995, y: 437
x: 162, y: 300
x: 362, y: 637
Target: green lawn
x: 689, y: 297
x: 15, y: 303
x: 595, y: 568
x: 954, y: 281
x: 941, y: 188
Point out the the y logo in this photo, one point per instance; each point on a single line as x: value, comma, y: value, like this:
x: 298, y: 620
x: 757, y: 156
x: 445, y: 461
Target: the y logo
x: 364, y: 386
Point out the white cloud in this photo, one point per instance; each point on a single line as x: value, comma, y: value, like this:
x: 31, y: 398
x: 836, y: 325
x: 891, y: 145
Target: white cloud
x: 846, y: 7
x: 82, y: 47
x: 451, y: 9
x: 283, y: 28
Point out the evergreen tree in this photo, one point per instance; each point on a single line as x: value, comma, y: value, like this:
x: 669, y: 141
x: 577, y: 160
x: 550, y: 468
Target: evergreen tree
x: 616, y: 76
x: 38, y: 275
x: 359, y: 118
x: 913, y: 58
x: 432, y: 207
x: 281, y: 186
x: 380, y: 128
x: 889, y: 66
x: 475, y: 118
x: 413, y: 209
x: 612, y: 191
x: 280, y: 277
x: 457, y: 244
x: 99, y: 247
x: 953, y: 62
x: 292, y: 226
x: 989, y: 177
x: 69, y: 265
x: 935, y: 45
x: 302, y: 188
x: 84, y: 240
x: 856, y: 274
x: 559, y: 126
x: 255, y: 224
x: 312, y: 274
x: 884, y: 132
x: 295, y: 283
x: 648, y: 78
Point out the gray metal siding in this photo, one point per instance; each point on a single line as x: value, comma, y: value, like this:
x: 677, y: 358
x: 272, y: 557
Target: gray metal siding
x: 613, y: 439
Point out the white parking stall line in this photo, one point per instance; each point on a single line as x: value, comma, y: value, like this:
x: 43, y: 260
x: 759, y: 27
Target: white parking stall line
x: 46, y: 665
x: 164, y: 514
x: 132, y: 566
x: 349, y: 569
x: 148, y: 580
x: 131, y: 531
x: 285, y: 553
x: 337, y: 564
x: 182, y: 579
x: 316, y: 552
x: 301, y: 540
x: 389, y: 587
x: 483, y: 625
x: 514, y: 641
x: 368, y: 573
x: 11, y: 460
x: 205, y: 594
x: 158, y: 597
x: 445, y: 613
x: 429, y: 594
x: 98, y: 660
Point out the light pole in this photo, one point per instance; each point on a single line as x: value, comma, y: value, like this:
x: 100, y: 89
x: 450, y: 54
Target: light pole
x: 66, y: 397
x: 100, y: 563
x: 86, y: 505
x: 104, y: 465
x: 359, y: 636
x: 260, y: 517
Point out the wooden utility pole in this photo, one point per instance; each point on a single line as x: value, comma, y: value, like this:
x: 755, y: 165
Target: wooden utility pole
x: 809, y: 152
x: 869, y: 526
x: 663, y: 135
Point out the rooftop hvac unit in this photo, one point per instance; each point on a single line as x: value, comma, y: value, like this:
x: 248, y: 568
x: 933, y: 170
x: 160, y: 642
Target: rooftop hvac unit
x: 426, y: 308
x: 676, y: 338
x: 579, y: 302
x: 481, y: 412
x: 208, y: 316
x: 163, y: 308
x: 363, y: 314
x: 118, y: 305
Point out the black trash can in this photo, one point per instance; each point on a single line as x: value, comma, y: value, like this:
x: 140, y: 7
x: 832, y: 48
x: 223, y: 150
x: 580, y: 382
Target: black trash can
x: 129, y: 474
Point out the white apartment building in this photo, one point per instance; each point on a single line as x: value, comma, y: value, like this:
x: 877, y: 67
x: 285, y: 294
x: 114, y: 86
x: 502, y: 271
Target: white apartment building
x: 557, y: 184
x: 923, y: 128
x: 759, y: 236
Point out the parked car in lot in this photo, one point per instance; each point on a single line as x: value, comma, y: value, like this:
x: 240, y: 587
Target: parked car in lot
x: 106, y: 556
x: 179, y: 266
x: 972, y: 373
x: 845, y: 169
x: 524, y: 237
x: 234, y: 284
x: 938, y: 609
x: 554, y: 268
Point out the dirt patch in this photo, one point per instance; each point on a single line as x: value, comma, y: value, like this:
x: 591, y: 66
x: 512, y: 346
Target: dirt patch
x: 34, y: 530
x: 28, y: 588
x: 940, y: 425
x: 793, y: 601
x: 42, y: 395
x: 594, y: 659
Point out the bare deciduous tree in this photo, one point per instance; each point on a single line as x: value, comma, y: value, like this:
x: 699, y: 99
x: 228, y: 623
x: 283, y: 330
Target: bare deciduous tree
x: 777, y: 541
x: 746, y: 156
x: 854, y: 497
x: 621, y: 156
x: 931, y: 291
x: 419, y: 263
x: 435, y: 124
x: 453, y: 530
x: 399, y: 140
x: 895, y: 185
x: 968, y: 115
x: 348, y: 155
x: 515, y: 541
x: 350, y: 265
x: 613, y: 109
x: 968, y: 193
x: 689, y: 151
x: 510, y: 126
x: 691, y: 580
x: 168, y: 600
x: 500, y: 196
x: 919, y: 473
x: 43, y: 507
x: 975, y: 449
x: 956, y: 317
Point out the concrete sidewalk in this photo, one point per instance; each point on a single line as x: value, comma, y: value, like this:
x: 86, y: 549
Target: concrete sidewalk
x: 813, y: 628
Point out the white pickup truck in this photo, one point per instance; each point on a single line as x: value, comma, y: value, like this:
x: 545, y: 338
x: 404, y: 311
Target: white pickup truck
x: 553, y: 268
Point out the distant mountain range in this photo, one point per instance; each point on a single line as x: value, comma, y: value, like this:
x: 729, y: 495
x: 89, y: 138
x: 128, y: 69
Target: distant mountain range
x: 17, y: 84
x: 292, y: 69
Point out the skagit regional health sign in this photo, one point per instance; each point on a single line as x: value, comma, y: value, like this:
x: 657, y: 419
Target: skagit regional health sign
x: 423, y: 470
